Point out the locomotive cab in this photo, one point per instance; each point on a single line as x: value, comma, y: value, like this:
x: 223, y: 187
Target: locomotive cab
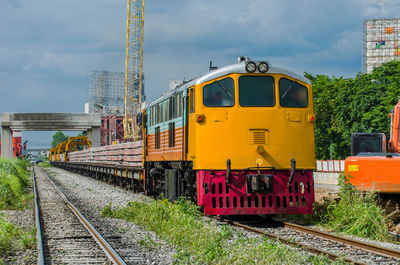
x: 255, y: 120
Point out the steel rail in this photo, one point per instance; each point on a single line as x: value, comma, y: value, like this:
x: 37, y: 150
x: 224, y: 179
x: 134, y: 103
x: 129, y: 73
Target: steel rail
x: 37, y: 220
x: 392, y: 253
x: 108, y: 250
x: 308, y: 248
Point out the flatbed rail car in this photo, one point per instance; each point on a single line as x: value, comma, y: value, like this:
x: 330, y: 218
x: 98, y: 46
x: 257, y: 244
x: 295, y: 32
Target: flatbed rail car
x: 120, y: 164
x: 237, y: 140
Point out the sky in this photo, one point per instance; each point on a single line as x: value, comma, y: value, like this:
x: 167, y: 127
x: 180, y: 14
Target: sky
x: 49, y: 47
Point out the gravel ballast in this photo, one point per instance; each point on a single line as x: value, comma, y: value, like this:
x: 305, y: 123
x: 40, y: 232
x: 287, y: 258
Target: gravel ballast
x: 25, y: 220
x: 91, y: 196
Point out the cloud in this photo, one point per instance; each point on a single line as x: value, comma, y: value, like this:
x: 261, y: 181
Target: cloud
x: 48, y: 48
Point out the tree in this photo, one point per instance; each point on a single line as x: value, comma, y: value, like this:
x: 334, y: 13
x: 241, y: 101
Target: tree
x: 345, y: 105
x: 58, y: 137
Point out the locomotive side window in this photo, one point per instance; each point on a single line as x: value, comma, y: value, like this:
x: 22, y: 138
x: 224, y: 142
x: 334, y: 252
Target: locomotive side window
x: 157, y: 141
x: 163, y: 112
x: 180, y: 104
x: 177, y: 105
x: 256, y: 91
x: 220, y: 93
x: 172, y: 110
x: 292, y: 94
x: 171, y: 134
x: 154, y: 115
x: 166, y: 110
x: 170, y: 107
x: 191, y: 100
x: 149, y: 115
x: 157, y: 113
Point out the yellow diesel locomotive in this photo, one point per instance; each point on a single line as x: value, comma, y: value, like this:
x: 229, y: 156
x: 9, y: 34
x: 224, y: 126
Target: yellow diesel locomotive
x: 237, y: 140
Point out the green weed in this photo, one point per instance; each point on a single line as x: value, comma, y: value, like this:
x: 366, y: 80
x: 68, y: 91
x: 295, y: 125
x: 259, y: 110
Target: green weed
x: 13, y: 238
x: 107, y: 211
x: 14, y: 177
x: 147, y: 242
x: 199, y: 241
x: 44, y: 164
x: 356, y: 213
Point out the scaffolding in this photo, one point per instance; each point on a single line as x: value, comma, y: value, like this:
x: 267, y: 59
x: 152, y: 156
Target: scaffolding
x: 106, y: 92
x: 381, y: 40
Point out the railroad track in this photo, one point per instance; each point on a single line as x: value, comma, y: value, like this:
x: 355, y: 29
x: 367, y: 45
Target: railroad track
x: 319, y: 242
x: 65, y: 236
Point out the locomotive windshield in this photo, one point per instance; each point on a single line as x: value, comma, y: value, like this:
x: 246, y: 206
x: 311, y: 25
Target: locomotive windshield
x: 220, y: 93
x: 292, y: 94
x: 256, y: 91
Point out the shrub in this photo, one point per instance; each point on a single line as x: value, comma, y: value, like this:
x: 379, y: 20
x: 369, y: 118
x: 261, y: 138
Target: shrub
x: 356, y: 213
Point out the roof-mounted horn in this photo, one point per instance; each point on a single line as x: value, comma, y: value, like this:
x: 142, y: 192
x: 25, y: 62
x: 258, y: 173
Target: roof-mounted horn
x: 243, y: 59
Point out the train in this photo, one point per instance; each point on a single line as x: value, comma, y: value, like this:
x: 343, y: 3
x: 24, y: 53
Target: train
x: 236, y: 140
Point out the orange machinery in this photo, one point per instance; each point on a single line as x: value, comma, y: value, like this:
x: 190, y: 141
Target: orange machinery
x: 18, y: 147
x: 370, y: 167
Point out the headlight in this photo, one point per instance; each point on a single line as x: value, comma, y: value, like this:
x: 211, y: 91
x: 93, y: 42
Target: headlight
x: 251, y: 67
x: 263, y: 67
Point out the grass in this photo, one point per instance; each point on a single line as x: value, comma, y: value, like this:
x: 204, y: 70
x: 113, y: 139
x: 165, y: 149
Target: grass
x: 13, y: 238
x: 148, y: 242
x: 14, y: 177
x: 201, y: 241
x: 354, y: 213
x: 44, y: 164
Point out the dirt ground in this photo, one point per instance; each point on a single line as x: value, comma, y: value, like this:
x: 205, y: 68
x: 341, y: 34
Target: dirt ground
x: 321, y: 193
x: 391, y: 204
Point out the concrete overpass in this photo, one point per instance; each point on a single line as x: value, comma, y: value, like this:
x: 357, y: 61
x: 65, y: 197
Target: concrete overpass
x: 90, y: 123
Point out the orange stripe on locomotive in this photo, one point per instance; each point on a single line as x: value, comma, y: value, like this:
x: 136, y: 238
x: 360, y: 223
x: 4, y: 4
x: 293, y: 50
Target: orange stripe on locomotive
x: 166, y: 152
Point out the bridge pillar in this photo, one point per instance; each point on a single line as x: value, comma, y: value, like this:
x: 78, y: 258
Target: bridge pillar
x: 6, y: 142
x: 93, y: 135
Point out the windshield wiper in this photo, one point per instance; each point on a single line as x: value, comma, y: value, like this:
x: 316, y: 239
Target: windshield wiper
x: 287, y: 90
x: 224, y: 88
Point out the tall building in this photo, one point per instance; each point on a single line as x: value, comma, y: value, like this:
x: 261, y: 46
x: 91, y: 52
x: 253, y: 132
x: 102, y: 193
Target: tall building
x: 381, y: 42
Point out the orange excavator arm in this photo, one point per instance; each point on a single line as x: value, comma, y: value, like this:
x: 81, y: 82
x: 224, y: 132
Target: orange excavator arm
x: 394, y: 142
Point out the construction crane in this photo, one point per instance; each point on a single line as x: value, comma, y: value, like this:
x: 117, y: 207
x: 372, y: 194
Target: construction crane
x: 133, y: 68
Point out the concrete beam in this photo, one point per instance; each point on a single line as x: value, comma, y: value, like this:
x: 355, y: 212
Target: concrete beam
x: 6, y: 142
x: 47, y: 122
x: 51, y: 121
